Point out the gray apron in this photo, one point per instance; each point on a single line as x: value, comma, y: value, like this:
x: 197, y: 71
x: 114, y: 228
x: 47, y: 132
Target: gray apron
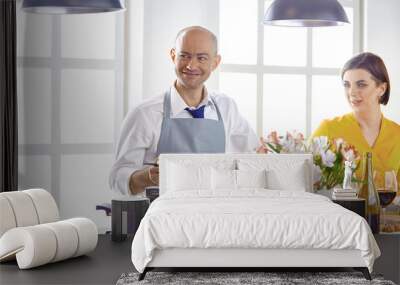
x: 190, y: 135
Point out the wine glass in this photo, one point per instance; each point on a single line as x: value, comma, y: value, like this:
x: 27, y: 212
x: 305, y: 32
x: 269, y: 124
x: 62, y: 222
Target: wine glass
x: 388, y: 192
x: 391, y: 180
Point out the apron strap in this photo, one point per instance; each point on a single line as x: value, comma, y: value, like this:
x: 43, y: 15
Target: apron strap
x: 217, y: 109
x: 167, y: 105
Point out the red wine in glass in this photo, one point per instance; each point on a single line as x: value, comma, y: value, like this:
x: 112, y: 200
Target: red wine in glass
x: 386, y: 197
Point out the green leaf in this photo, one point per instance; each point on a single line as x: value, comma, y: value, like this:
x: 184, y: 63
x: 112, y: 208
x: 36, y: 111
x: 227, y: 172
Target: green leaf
x: 276, y: 149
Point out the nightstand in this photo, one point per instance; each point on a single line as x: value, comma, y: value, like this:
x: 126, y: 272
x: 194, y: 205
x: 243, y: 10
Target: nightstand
x: 355, y: 205
x: 388, y: 263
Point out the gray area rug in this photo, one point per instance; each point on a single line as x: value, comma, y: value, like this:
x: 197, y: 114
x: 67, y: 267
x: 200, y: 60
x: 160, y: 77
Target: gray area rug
x: 269, y: 278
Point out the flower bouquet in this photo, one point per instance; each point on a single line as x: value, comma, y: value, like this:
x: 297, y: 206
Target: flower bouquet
x: 291, y: 143
x: 329, y: 157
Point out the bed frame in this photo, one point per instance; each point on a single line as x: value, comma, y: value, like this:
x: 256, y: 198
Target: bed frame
x: 241, y: 259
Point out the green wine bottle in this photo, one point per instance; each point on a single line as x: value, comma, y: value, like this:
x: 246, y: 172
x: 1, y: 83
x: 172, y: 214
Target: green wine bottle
x: 371, y: 196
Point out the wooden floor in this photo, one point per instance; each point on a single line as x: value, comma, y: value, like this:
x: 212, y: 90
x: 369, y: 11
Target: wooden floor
x: 110, y: 259
x: 102, y: 266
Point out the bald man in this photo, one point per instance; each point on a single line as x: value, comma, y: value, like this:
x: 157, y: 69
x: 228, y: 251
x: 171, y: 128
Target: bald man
x: 185, y: 119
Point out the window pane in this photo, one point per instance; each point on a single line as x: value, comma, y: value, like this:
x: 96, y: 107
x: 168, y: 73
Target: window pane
x: 238, y: 31
x: 328, y: 99
x: 333, y: 46
x: 242, y: 88
x: 284, y: 103
x: 284, y: 46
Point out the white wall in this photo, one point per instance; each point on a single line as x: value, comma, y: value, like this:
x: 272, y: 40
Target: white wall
x: 382, y: 36
x: 70, y: 104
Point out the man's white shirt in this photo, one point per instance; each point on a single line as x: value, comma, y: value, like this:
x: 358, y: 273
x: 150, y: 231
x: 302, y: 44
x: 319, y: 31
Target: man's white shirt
x: 141, y: 130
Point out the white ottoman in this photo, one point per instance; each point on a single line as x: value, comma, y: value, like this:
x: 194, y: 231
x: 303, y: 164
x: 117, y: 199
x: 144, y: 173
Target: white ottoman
x: 31, y: 233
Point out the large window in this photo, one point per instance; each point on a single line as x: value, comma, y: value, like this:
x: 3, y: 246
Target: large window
x: 284, y: 78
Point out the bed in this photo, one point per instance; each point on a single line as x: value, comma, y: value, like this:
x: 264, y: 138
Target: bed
x: 247, y: 210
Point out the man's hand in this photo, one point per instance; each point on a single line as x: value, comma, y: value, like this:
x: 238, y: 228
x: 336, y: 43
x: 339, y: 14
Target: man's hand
x: 153, y: 173
x: 263, y: 146
x: 143, y: 178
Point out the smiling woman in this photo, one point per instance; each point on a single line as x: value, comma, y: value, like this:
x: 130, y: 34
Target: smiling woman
x: 367, y: 86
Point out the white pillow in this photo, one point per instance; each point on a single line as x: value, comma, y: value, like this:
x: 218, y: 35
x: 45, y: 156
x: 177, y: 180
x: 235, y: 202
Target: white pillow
x: 293, y: 179
x: 223, y: 179
x: 281, y: 174
x: 251, y: 178
x: 183, y: 177
x: 227, y: 179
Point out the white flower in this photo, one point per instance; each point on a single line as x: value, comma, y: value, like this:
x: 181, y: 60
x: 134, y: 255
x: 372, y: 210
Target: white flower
x: 300, y: 148
x: 339, y: 143
x: 288, y: 145
x: 349, y: 155
x: 328, y: 157
x: 320, y: 144
x: 317, y: 173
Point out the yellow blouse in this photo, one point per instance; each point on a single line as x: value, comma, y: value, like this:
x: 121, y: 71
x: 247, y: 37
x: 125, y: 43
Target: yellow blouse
x: 385, y: 151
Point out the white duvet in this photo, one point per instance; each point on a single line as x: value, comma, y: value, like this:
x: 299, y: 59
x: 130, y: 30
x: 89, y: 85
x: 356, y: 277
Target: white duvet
x: 250, y: 219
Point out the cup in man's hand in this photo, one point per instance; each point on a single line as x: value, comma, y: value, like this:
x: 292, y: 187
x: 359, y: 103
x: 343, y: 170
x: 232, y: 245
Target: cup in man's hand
x: 152, y: 192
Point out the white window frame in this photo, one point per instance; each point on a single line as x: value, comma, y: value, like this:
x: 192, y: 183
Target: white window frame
x: 309, y: 71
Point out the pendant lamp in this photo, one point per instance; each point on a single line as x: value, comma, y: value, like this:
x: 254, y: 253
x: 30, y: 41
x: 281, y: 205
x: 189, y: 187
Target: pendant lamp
x: 71, y: 6
x: 305, y: 13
